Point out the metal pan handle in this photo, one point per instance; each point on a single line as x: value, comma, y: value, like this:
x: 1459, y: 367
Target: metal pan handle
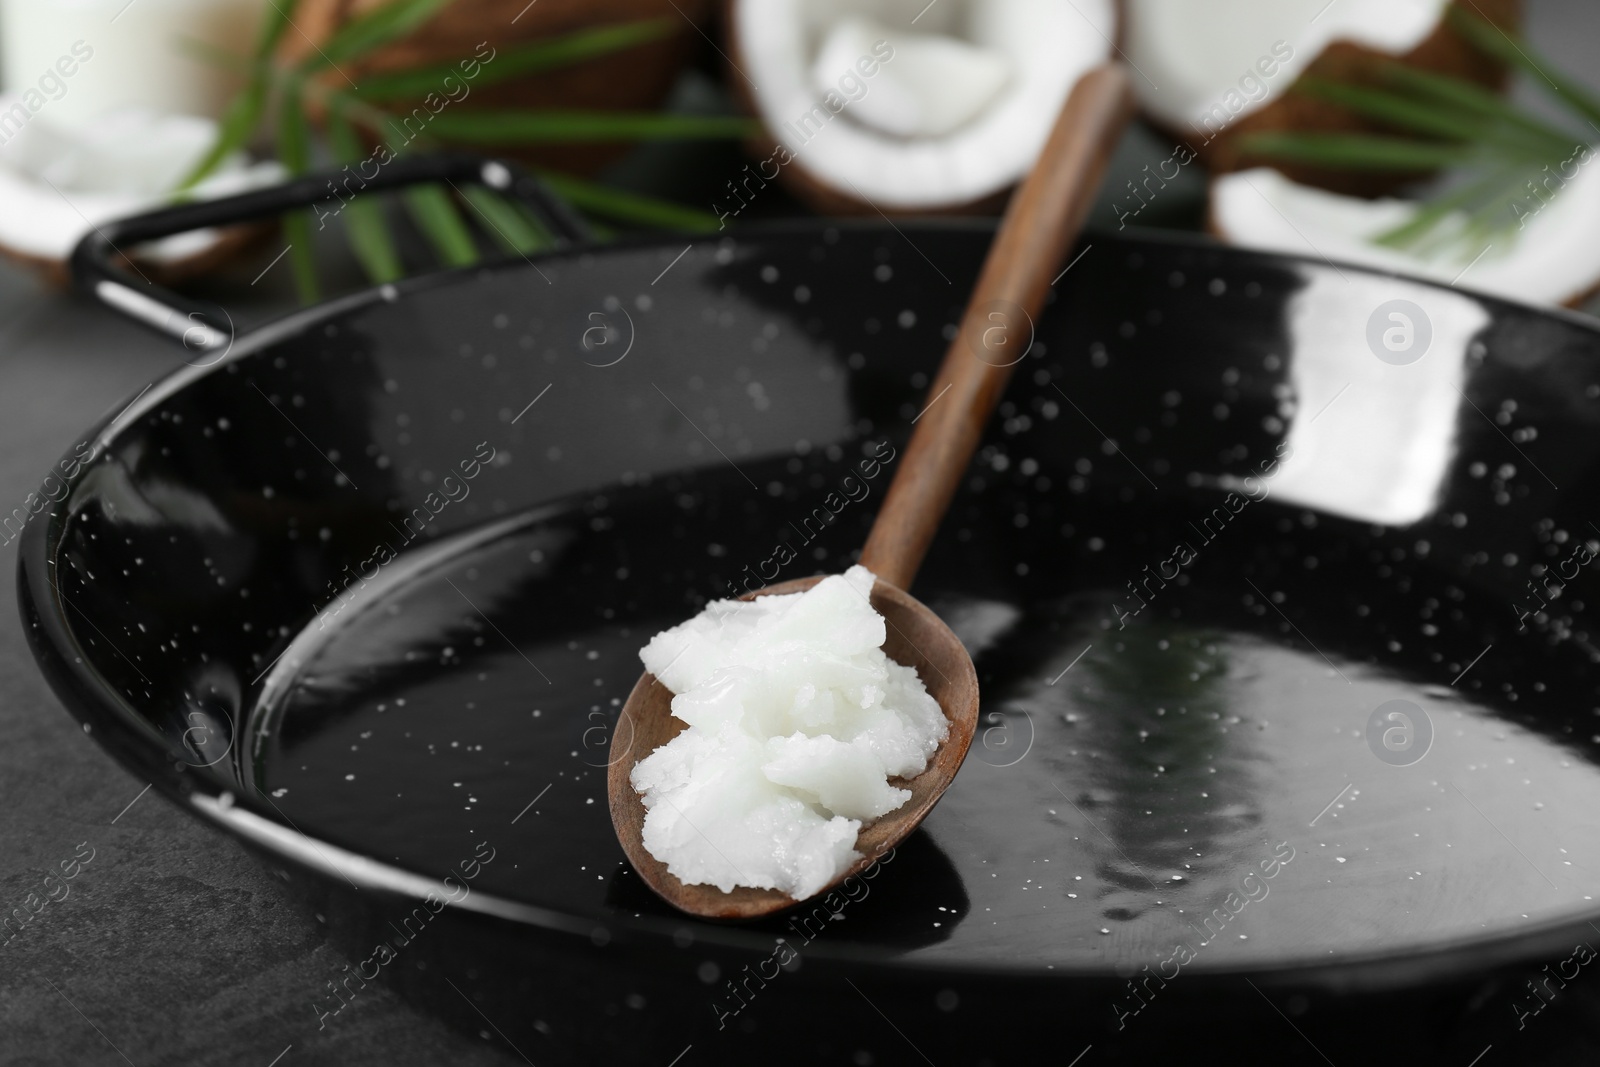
x: 96, y: 261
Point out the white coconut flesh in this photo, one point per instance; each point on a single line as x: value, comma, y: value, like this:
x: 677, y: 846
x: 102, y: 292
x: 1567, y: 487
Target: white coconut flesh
x: 934, y: 85
x: 957, y: 114
x: 57, y: 183
x: 1202, y: 65
x: 1553, y: 257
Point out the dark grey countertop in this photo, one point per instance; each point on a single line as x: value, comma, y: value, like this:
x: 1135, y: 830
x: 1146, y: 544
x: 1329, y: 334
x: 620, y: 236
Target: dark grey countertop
x: 173, y: 946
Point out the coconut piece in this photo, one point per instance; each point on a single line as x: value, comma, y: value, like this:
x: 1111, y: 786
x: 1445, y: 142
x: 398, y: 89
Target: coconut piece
x: 1214, y: 72
x: 906, y: 107
x: 634, y: 79
x: 1553, y: 258
x: 58, y: 183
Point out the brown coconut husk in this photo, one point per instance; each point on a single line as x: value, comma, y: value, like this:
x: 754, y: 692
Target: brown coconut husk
x: 637, y: 78
x: 232, y: 242
x: 1444, y: 51
x: 808, y: 186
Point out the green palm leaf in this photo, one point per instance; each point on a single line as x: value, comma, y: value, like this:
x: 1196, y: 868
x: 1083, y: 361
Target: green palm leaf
x: 629, y: 207
x: 294, y: 148
x: 431, y: 208
x: 516, y: 61
x: 1433, y: 212
x: 1396, y: 110
x: 511, y: 229
x: 246, y: 109
x: 1516, y: 52
x: 484, y: 126
x: 437, y: 218
x: 1357, y: 151
x: 363, y: 217
x: 1469, y: 96
x: 377, y: 27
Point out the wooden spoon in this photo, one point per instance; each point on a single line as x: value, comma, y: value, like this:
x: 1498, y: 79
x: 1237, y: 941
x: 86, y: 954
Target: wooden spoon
x: 1040, y: 224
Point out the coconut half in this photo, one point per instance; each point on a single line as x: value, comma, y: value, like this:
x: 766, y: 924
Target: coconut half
x: 58, y: 183
x: 903, y: 106
x: 1211, y: 72
x: 1553, y: 258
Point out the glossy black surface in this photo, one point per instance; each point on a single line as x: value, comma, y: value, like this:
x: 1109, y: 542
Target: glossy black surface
x: 460, y: 698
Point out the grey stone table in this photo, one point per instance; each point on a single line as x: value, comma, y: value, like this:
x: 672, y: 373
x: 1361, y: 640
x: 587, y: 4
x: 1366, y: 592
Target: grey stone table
x: 172, y: 946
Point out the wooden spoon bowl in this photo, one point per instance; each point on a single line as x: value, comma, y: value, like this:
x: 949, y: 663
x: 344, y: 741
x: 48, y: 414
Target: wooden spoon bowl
x: 917, y: 638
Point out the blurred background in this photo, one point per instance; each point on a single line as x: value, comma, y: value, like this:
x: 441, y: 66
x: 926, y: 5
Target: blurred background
x: 1433, y: 138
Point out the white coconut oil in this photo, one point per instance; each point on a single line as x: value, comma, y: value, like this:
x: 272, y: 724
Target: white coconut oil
x: 797, y: 720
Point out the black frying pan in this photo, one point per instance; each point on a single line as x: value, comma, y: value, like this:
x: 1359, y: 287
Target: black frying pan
x: 364, y: 588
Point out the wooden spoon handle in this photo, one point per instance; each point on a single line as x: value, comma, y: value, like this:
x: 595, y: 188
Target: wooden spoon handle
x: 1040, y: 224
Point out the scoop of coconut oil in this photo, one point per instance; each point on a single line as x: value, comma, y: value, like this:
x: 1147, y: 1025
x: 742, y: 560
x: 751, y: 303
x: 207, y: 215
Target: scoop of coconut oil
x: 796, y: 722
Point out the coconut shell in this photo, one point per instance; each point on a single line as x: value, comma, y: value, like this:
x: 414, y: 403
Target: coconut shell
x: 231, y: 243
x: 637, y: 78
x: 1444, y: 51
